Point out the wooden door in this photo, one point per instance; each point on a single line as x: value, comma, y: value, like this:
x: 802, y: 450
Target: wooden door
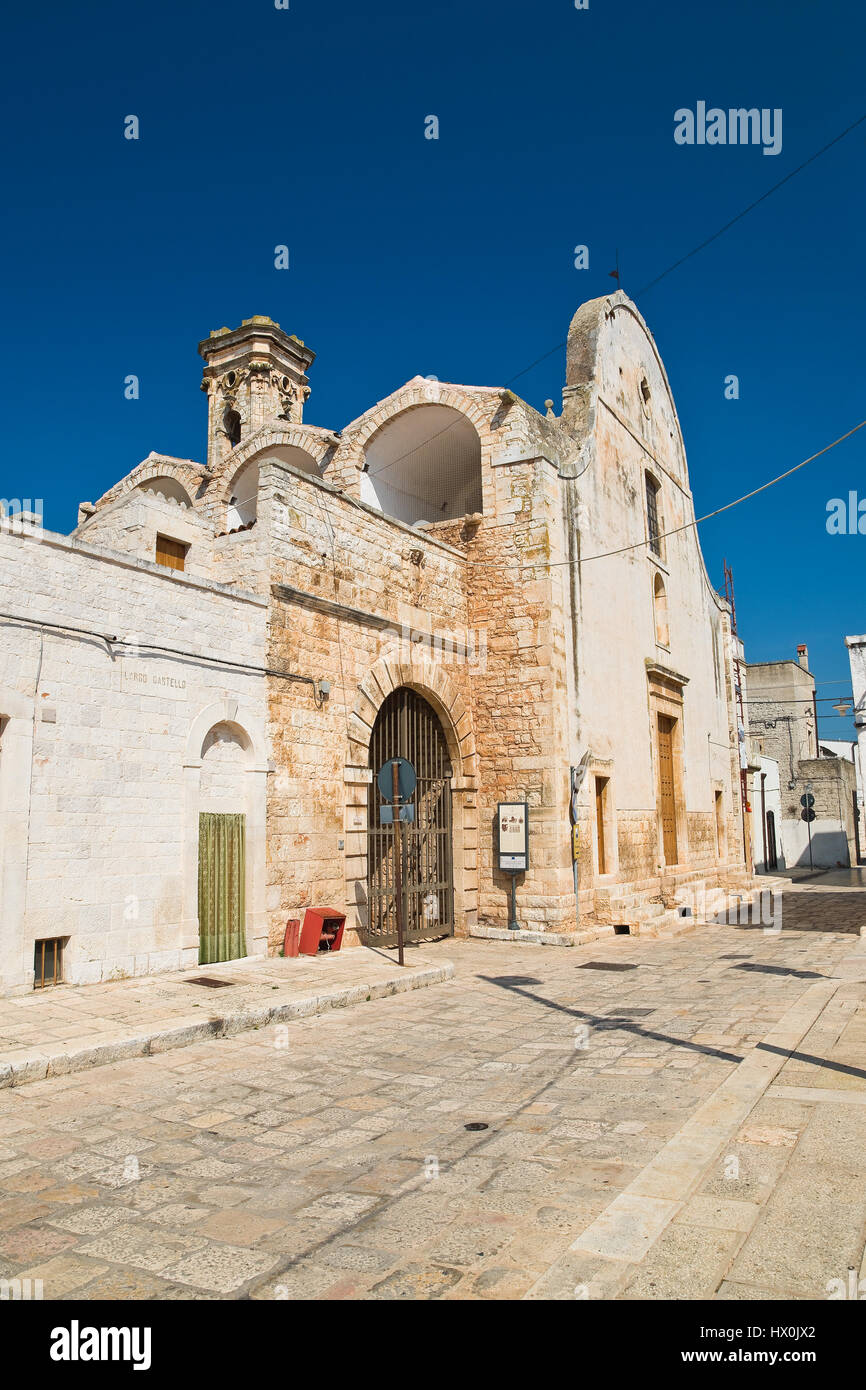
x: 600, y: 785
x: 667, y: 794
x: 221, y: 887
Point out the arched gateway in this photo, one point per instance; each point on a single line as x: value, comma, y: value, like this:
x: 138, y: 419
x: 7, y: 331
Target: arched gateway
x: 407, y: 727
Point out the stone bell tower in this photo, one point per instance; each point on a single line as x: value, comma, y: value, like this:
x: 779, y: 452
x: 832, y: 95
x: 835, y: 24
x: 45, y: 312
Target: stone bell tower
x: 253, y: 374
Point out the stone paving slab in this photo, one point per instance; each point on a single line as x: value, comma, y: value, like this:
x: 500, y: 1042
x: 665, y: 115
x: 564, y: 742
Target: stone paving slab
x: 637, y: 1220
x: 66, y: 1029
x: 330, y: 1157
x: 799, y: 1234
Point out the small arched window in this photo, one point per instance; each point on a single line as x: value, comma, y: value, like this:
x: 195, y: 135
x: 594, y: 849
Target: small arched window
x: 232, y: 425
x: 660, y: 610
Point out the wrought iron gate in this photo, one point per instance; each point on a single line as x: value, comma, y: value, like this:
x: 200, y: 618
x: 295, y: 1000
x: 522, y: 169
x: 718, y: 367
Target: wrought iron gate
x: 407, y: 727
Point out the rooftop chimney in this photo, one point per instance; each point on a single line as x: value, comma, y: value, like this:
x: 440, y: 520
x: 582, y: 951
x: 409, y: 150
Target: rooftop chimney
x: 803, y: 655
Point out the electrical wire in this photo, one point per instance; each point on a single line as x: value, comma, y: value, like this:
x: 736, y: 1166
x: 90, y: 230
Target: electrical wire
x: 117, y: 642
x: 715, y: 236
x: 658, y: 278
x: 689, y: 525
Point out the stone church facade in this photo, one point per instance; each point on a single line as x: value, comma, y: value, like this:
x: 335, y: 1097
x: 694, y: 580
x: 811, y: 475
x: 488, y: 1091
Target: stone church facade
x: 496, y: 594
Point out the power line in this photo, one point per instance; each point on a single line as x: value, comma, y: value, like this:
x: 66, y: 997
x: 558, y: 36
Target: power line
x: 756, y: 203
x: 650, y: 285
x: 821, y: 699
x: 604, y: 554
x: 715, y: 236
x: 112, y: 642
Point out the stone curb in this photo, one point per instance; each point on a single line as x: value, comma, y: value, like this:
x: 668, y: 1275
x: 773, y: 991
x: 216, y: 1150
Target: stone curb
x: 605, y: 1256
x: 58, y: 1060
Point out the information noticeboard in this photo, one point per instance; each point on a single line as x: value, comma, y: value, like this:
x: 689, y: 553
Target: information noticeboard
x: 512, y: 830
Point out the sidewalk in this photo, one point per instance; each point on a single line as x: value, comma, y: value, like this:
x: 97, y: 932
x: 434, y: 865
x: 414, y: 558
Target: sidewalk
x: 68, y: 1029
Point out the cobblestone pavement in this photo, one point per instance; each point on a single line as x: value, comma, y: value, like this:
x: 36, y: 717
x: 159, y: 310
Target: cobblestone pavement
x: 330, y: 1157
x: 825, y: 898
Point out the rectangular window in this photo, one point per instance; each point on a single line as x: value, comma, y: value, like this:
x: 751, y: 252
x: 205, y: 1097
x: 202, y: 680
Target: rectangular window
x: 170, y: 553
x: 652, y: 515
x: 48, y: 962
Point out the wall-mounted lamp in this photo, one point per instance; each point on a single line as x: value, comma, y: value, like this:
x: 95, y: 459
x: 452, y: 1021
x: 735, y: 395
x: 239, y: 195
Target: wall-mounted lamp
x: 321, y: 691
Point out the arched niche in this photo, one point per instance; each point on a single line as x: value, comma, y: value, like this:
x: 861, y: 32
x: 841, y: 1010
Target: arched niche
x: 167, y: 487
x: 424, y: 465
x: 243, y: 498
x: 225, y: 771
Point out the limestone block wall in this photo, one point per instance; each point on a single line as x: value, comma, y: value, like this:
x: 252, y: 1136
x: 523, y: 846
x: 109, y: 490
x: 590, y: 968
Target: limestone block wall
x: 782, y: 712
x: 365, y: 603
x: 520, y: 706
x: 130, y: 526
x: 101, y: 741
x: 241, y: 560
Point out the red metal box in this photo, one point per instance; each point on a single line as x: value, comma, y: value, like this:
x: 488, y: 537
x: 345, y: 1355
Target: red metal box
x: 322, y: 930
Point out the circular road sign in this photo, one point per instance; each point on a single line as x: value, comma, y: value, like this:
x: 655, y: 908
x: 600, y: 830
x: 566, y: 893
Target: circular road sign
x: 406, y: 779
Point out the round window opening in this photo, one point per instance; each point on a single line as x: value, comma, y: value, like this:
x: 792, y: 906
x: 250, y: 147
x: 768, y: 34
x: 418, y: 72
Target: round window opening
x: 231, y: 378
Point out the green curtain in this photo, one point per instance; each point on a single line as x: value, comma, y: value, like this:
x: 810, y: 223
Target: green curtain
x: 221, y: 887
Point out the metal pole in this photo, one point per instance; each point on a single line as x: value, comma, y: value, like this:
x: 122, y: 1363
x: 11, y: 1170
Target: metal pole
x: 398, y: 858
x: 513, y: 925
x: 572, y: 796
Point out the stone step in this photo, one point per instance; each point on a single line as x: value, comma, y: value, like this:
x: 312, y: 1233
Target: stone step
x: 544, y: 938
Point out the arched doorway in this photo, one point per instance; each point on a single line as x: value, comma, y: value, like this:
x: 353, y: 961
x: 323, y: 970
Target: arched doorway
x: 407, y: 727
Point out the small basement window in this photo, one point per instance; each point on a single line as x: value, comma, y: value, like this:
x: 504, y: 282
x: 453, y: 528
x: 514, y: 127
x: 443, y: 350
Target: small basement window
x: 171, y: 553
x: 48, y: 962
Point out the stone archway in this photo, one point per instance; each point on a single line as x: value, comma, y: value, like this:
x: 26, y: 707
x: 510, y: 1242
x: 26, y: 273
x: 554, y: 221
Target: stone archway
x: 408, y: 727
x: 431, y: 682
x: 239, y: 733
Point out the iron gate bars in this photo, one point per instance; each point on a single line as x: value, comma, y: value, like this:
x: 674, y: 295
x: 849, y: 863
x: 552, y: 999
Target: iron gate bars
x: 407, y: 727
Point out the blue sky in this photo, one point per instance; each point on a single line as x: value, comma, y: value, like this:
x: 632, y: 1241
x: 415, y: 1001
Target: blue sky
x: 453, y: 257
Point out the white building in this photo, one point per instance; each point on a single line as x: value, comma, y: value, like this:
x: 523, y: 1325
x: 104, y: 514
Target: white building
x: 857, y: 659
x: 765, y: 799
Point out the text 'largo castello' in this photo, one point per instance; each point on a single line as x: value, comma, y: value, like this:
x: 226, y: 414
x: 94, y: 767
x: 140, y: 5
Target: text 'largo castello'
x: 200, y: 684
